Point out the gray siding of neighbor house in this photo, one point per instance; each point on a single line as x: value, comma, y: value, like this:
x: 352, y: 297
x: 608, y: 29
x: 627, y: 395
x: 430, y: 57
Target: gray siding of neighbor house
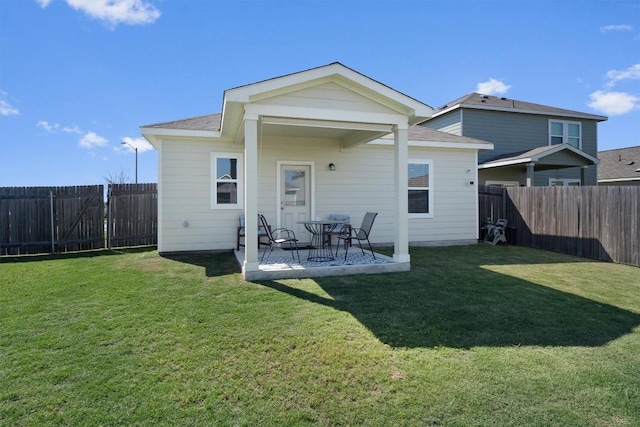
x: 451, y: 123
x: 517, y: 132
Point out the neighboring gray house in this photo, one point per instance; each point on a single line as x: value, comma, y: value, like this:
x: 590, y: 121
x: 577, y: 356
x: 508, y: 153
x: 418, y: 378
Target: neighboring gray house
x: 619, y: 167
x: 534, y: 145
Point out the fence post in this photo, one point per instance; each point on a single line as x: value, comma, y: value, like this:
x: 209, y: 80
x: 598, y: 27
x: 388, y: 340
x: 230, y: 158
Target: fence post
x: 53, y: 238
x: 109, y: 216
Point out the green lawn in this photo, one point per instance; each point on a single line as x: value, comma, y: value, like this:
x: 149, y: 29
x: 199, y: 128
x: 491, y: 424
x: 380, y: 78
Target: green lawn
x: 472, y: 336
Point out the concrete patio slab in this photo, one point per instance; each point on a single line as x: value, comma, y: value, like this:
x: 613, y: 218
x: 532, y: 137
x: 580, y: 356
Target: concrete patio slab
x: 282, y: 265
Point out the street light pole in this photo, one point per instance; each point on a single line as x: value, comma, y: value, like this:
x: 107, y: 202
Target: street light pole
x: 136, y: 150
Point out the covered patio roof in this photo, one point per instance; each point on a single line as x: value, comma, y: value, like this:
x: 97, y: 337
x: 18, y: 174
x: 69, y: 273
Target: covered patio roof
x: 543, y: 158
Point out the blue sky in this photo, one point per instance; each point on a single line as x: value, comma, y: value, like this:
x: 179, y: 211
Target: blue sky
x: 78, y: 77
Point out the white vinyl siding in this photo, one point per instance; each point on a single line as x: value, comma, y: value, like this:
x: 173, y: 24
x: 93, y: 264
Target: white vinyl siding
x: 187, y: 222
x: 328, y: 96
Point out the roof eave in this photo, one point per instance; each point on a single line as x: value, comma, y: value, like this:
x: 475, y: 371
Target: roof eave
x: 438, y: 144
x: 570, y: 114
x: 185, y: 133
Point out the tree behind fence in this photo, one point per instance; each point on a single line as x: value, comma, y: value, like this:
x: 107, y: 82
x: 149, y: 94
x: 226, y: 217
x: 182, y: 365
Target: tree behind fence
x: 594, y: 222
x: 63, y: 219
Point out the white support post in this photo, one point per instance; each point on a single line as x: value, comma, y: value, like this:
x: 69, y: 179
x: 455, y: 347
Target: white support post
x: 251, y: 193
x: 530, y: 168
x: 401, y: 159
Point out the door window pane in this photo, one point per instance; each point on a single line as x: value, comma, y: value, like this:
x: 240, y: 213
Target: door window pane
x: 294, y: 188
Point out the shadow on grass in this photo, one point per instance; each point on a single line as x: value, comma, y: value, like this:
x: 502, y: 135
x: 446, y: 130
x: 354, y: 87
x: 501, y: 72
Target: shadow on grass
x: 454, y: 302
x: 215, y: 263
x: 73, y: 255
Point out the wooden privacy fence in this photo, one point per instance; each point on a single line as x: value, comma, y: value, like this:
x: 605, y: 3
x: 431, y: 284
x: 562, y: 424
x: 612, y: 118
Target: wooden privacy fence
x: 64, y: 219
x: 594, y: 222
x: 51, y: 219
x: 132, y: 215
x: 491, y: 203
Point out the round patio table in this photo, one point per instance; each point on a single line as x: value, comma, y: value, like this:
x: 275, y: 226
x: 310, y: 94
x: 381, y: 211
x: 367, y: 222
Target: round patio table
x: 320, y: 249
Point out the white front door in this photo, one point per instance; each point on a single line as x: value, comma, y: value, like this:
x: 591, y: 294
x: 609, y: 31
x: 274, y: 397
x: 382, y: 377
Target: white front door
x: 295, y: 198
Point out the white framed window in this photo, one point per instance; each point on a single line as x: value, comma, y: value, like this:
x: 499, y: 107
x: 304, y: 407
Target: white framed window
x: 420, y: 186
x: 561, y: 132
x: 502, y: 183
x: 227, y: 181
x: 564, y: 182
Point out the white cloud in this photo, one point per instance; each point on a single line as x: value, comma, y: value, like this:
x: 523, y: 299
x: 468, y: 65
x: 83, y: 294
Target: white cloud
x: 615, y: 76
x: 609, y: 28
x: 140, y: 143
x: 114, y: 12
x: 75, y: 129
x: 92, y: 140
x: 492, y: 87
x: 613, y: 103
x: 7, y: 109
x: 55, y: 127
x: 43, y: 3
x: 51, y: 128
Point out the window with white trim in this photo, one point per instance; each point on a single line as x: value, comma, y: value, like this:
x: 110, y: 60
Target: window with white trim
x: 227, y: 181
x: 565, y: 132
x: 502, y: 183
x: 564, y: 182
x: 420, y: 183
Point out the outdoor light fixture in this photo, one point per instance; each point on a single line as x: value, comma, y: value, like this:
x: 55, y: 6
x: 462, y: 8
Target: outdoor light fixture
x: 332, y: 167
x: 136, y: 150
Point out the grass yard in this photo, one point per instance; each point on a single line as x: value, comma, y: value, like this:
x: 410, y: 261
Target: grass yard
x: 472, y: 336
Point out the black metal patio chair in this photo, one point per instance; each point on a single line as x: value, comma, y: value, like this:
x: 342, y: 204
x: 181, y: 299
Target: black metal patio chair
x: 278, y: 236
x: 359, y: 234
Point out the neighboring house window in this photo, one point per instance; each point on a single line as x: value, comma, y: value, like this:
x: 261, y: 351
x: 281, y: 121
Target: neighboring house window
x: 502, y: 183
x: 420, y: 188
x: 564, y: 182
x: 565, y: 132
x: 226, y: 181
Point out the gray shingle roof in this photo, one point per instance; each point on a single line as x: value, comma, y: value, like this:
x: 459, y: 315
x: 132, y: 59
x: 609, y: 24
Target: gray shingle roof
x: 619, y: 164
x: 208, y: 122
x: 422, y: 133
x: 537, y: 155
x: 212, y: 122
x: 477, y: 100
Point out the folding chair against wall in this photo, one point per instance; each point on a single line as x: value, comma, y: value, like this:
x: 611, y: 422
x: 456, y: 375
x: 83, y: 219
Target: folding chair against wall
x: 496, y: 233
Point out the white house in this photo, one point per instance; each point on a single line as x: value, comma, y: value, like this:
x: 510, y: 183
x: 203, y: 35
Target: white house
x: 270, y: 149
